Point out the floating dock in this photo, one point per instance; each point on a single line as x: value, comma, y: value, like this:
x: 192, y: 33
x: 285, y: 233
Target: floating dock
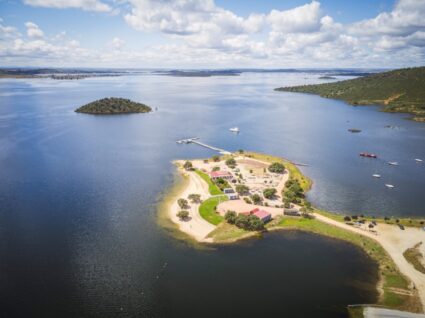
x: 195, y: 140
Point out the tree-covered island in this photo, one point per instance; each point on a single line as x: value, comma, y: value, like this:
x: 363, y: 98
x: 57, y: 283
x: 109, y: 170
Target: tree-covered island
x: 113, y: 105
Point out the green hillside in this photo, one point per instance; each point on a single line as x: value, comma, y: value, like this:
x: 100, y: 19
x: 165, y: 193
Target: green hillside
x: 113, y: 105
x: 400, y: 91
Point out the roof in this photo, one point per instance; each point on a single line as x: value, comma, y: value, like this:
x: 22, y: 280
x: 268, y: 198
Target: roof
x: 255, y: 210
x: 261, y: 214
x: 218, y: 174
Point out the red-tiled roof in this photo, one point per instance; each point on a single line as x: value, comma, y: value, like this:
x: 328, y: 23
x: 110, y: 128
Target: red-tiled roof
x: 261, y: 214
x: 218, y: 174
x: 255, y: 210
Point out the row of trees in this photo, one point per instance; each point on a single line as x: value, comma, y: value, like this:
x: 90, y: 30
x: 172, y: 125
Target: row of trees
x: 246, y: 222
x: 293, y: 192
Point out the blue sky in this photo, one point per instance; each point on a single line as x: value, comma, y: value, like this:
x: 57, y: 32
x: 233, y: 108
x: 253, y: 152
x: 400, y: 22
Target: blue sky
x: 214, y: 34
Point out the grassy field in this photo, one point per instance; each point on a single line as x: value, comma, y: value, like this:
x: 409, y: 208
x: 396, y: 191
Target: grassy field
x: 400, y: 90
x: 227, y: 233
x: 415, y: 257
x: 212, y: 187
x: 395, y: 285
x: 208, y: 212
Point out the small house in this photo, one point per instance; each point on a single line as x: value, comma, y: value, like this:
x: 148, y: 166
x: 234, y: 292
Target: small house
x: 263, y: 215
x: 214, y: 175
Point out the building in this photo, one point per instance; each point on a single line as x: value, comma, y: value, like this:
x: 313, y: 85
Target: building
x: 233, y: 196
x: 263, y: 215
x: 291, y: 212
x: 228, y: 190
x: 220, y: 174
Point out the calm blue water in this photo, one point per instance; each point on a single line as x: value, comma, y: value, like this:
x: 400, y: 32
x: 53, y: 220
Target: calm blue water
x: 78, y: 231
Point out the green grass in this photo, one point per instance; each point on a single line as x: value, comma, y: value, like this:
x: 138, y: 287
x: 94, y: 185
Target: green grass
x: 208, y: 212
x: 212, y: 187
x: 226, y: 232
x: 414, y: 257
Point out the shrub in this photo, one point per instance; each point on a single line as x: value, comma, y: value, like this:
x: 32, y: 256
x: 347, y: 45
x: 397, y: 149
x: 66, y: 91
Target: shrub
x: 249, y: 222
x: 188, y: 165
x: 277, y: 167
x: 183, y: 204
x: 216, y: 169
x: 242, y: 189
x: 347, y: 218
x: 241, y: 151
x: 231, y: 162
x: 256, y: 199
x: 230, y: 217
x: 182, y: 215
x: 247, y: 200
x: 269, y: 193
x: 194, y: 198
x: 216, y: 158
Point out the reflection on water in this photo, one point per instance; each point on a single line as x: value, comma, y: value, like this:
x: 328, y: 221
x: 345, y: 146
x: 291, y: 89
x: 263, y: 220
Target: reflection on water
x: 78, y: 231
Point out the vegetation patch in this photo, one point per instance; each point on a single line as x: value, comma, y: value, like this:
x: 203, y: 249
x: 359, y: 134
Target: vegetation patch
x: 226, y: 232
x: 208, y: 211
x: 212, y: 187
x: 401, y: 91
x: 113, y: 105
x: 415, y: 257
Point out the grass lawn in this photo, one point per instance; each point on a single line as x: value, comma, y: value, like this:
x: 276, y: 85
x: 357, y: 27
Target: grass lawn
x: 212, y: 187
x: 207, y: 209
x: 226, y: 232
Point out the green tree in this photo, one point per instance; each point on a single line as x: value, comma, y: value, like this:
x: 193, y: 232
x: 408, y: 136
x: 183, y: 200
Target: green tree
x: 183, y: 204
x: 194, y: 198
x: 231, y: 162
x: 241, y: 151
x: 269, y: 193
x: 215, y: 168
x: 183, y: 214
x: 230, y: 217
x: 188, y: 165
x: 256, y: 198
x: 277, y: 167
x: 216, y: 158
x: 242, y: 189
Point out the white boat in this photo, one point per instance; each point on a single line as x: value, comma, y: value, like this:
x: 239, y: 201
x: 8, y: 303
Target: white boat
x: 389, y: 185
x: 418, y: 160
x: 376, y: 175
x: 393, y: 163
x: 234, y: 129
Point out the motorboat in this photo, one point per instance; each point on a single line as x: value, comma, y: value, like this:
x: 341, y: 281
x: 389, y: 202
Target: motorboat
x: 368, y: 155
x: 234, y: 129
x: 418, y: 160
x: 375, y: 175
x: 393, y: 163
x: 390, y: 186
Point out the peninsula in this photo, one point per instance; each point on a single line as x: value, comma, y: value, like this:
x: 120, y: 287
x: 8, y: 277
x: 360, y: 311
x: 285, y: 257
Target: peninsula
x: 244, y: 194
x: 401, y: 91
x: 112, y: 105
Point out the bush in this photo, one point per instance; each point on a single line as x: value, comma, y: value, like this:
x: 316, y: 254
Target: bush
x: 231, y: 162
x: 216, y: 169
x: 269, y: 193
x: 256, y: 199
x: 183, y: 204
x: 347, y: 218
x: 194, y: 198
x: 216, y: 158
x: 241, y: 151
x: 247, y: 200
x: 188, y: 165
x: 221, y: 183
x: 277, y: 167
x: 230, y: 217
x: 242, y: 189
x: 249, y: 222
x: 182, y: 215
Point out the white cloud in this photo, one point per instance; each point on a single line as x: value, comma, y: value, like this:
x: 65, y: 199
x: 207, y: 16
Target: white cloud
x: 117, y: 43
x: 87, y: 5
x: 33, y: 31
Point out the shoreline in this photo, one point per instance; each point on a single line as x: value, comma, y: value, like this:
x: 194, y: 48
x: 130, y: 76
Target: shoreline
x: 386, y: 249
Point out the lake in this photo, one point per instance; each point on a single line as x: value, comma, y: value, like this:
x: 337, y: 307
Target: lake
x: 79, y: 235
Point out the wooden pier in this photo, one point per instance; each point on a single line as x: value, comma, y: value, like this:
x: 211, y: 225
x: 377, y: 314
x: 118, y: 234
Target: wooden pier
x: 195, y: 140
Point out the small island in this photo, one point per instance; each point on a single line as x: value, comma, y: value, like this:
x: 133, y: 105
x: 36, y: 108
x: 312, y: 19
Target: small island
x: 239, y: 195
x: 113, y: 105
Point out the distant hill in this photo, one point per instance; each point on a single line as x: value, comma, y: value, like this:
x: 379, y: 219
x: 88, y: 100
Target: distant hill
x: 401, y: 91
x: 113, y: 105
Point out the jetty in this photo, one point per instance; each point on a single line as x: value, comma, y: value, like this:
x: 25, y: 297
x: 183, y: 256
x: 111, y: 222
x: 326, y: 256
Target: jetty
x: 195, y: 140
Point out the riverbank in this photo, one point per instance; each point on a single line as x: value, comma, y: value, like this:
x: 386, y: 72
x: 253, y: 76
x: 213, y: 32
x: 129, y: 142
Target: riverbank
x: 401, y: 286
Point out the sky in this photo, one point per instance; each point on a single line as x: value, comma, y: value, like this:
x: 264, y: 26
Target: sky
x: 212, y: 34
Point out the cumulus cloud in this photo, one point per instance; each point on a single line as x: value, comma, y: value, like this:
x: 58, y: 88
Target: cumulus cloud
x: 87, y: 5
x: 33, y: 31
x: 199, y: 33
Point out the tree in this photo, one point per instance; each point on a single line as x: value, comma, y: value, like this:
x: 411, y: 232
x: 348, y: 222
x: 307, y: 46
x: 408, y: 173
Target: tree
x: 231, y: 162
x: 347, y: 218
x: 247, y: 200
x: 308, y: 206
x: 241, y: 151
x: 194, y: 198
x: 230, y: 217
x: 216, y: 158
x: 216, y: 169
x: 256, y: 198
x: 287, y: 205
x: 242, y: 189
x: 269, y: 193
x: 182, y: 215
x: 183, y: 204
x: 277, y: 167
x: 188, y: 165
